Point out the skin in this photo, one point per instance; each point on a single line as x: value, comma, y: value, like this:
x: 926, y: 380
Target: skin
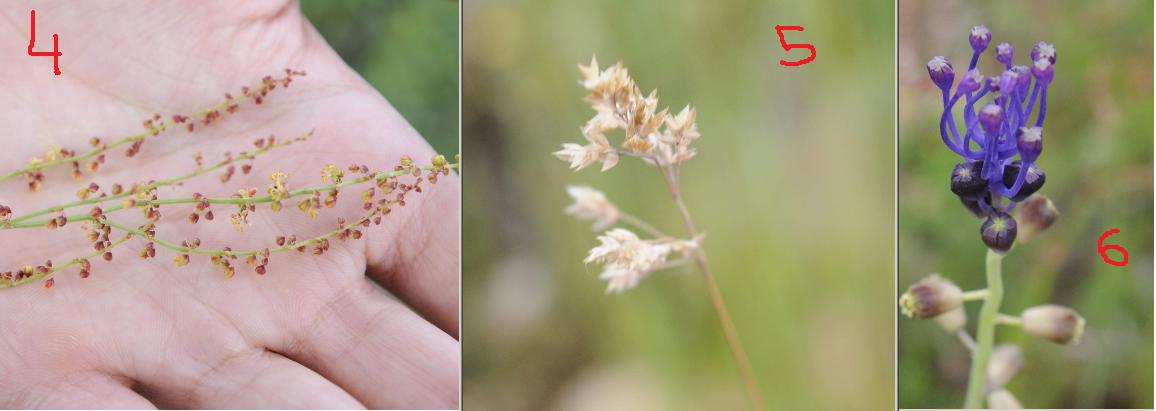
x: 371, y: 323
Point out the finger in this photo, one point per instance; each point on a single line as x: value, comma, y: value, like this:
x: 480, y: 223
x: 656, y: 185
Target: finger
x: 418, y: 261
x: 381, y: 352
x: 258, y: 378
x: 88, y: 391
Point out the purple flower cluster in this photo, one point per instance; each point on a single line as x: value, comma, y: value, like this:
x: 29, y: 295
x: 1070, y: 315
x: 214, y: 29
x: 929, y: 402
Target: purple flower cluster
x: 1001, y: 131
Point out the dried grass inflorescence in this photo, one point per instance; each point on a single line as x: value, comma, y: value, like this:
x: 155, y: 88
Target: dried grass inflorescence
x: 102, y: 206
x: 663, y: 141
x: 650, y: 135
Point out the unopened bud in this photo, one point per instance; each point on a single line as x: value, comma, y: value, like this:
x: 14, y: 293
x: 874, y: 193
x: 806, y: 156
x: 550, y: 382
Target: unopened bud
x: 1006, y: 360
x: 1036, y: 215
x: 1058, y: 324
x: 953, y: 320
x: 930, y: 297
x: 1001, y: 399
x: 998, y: 231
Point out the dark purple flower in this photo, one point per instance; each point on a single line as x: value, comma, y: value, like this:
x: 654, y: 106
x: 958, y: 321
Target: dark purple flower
x: 1002, y: 131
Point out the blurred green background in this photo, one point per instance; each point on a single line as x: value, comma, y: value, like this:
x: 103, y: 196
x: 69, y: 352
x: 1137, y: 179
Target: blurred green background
x: 407, y: 49
x: 1098, y: 159
x: 793, y: 186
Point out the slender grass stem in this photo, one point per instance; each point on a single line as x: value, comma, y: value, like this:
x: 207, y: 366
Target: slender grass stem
x: 985, y: 333
x: 154, y: 131
x: 732, y: 337
x: 222, y: 200
x: 166, y: 182
x: 642, y: 225
x: 69, y: 263
x: 240, y: 253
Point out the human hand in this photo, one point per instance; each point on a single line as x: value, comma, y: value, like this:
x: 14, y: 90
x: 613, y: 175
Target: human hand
x: 315, y: 331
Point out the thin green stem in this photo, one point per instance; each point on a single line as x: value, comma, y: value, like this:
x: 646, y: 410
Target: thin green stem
x: 161, y: 183
x: 724, y: 317
x: 157, y: 129
x: 239, y: 253
x: 985, y: 333
x: 1005, y: 319
x: 974, y: 295
x: 225, y: 200
x: 966, y: 339
x: 69, y: 263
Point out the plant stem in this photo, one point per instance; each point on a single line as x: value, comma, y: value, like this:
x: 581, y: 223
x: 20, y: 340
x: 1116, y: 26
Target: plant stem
x: 240, y: 253
x: 974, y: 295
x: 72, y: 262
x: 733, y: 341
x: 166, y: 182
x: 985, y: 333
x: 1005, y: 319
x: 225, y: 200
x: 156, y: 130
x: 643, y: 225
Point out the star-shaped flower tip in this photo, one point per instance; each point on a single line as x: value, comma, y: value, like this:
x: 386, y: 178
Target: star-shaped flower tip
x: 590, y: 72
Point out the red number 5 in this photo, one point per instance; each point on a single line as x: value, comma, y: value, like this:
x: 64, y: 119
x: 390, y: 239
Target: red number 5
x: 1104, y: 249
x: 788, y: 47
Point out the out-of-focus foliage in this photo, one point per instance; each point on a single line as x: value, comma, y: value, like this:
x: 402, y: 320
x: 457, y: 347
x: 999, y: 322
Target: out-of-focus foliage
x: 793, y: 186
x: 1098, y: 159
x: 407, y: 49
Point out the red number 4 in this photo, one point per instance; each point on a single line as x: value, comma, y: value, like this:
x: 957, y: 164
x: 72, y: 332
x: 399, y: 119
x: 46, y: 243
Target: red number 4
x: 55, y: 53
x: 789, y: 47
x: 1103, y: 249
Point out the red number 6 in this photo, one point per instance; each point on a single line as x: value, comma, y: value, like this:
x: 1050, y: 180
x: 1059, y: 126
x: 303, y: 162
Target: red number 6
x: 789, y: 47
x: 1104, y: 248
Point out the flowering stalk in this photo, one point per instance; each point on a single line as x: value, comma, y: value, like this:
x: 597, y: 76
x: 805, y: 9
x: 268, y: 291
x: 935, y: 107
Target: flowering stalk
x: 385, y: 191
x: 660, y: 140
x: 264, y: 145
x: 977, y: 380
x: 154, y: 126
x: 1002, y: 168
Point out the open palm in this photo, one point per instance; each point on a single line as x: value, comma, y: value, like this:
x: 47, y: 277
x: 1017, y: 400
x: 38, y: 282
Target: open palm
x: 370, y: 323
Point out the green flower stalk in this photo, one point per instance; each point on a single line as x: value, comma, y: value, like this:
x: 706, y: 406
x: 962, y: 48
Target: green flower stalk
x: 1000, y: 147
x: 98, y: 210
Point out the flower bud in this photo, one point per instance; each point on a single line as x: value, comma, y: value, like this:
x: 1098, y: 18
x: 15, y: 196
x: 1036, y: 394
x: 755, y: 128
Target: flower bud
x: 1058, y: 324
x: 953, y: 320
x: 1004, y: 53
x: 1044, y: 50
x: 1030, y: 142
x: 1001, y: 399
x: 930, y: 297
x: 941, y: 72
x: 979, y: 38
x: 1008, y: 81
x: 1023, y: 78
x: 972, y: 204
x: 970, y: 82
x: 1033, y: 180
x: 1006, y: 360
x: 1036, y: 215
x: 966, y: 180
x: 991, y: 117
x: 998, y: 231
x: 1042, y: 70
